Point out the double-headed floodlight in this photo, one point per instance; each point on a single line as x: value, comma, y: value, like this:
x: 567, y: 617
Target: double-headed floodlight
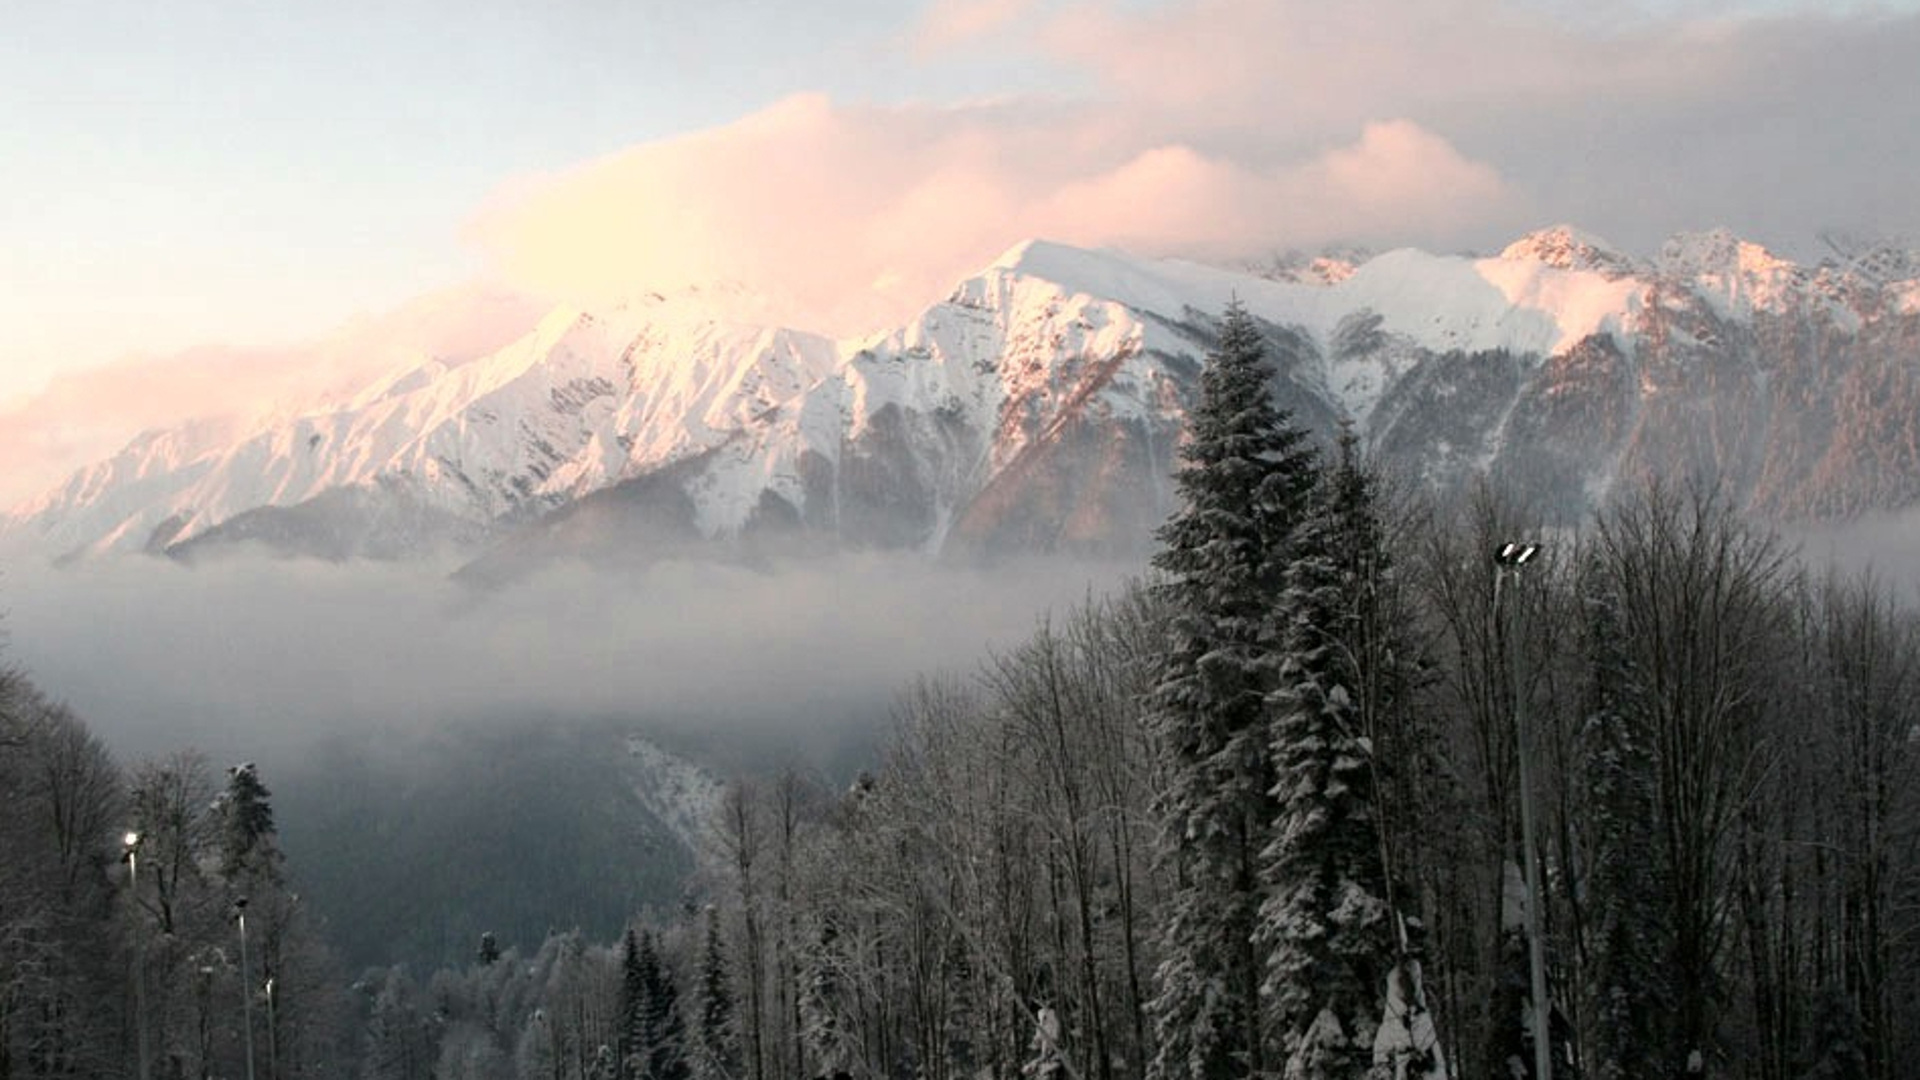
x: 1515, y: 554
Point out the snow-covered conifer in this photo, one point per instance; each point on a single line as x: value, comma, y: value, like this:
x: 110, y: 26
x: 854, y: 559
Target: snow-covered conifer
x: 247, y: 831
x: 1246, y: 481
x: 1326, y: 927
x: 1632, y: 998
x: 716, y: 1035
x: 633, y: 1005
x: 652, y: 1035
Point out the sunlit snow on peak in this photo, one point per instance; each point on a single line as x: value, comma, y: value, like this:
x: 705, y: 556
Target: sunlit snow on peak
x: 1568, y: 247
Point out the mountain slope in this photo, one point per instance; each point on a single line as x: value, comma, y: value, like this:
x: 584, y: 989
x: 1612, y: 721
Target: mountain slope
x: 1040, y: 406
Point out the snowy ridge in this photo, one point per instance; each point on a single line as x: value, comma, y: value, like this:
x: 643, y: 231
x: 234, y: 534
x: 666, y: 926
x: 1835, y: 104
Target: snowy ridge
x: 1053, y: 369
x: 1430, y: 302
x: 583, y: 401
x: 1737, y: 276
x: 1567, y: 247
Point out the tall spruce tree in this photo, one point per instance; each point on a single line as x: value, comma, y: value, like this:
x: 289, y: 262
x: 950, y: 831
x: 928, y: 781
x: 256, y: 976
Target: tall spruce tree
x: 652, y: 1034
x: 632, y: 1034
x: 1404, y: 748
x: 1631, y: 996
x: 1326, y: 926
x: 665, y: 1029
x: 247, y: 833
x: 716, y: 1034
x: 1246, y: 481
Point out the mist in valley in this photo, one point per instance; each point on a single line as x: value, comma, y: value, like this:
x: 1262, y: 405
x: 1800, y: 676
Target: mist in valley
x: 265, y: 657
x: 447, y: 761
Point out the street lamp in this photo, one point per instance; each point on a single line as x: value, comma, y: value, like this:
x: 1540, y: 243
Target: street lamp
x: 131, y: 842
x: 246, y: 982
x: 1511, y: 557
x: 273, y: 1036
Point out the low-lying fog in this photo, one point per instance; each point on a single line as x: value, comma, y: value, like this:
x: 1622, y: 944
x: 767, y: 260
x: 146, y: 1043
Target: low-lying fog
x: 446, y: 762
x: 254, y: 655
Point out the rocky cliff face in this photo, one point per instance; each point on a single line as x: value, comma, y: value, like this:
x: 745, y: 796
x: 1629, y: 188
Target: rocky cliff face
x: 1040, y: 406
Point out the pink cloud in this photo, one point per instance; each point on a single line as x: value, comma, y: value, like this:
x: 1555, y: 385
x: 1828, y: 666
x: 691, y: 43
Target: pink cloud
x: 1396, y: 180
x: 1229, y: 128
x: 853, y: 216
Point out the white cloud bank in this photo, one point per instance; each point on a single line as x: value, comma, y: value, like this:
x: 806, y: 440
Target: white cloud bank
x: 1229, y: 128
x: 848, y: 216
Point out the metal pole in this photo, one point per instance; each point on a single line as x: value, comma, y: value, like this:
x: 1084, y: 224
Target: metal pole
x: 273, y: 1036
x: 1536, y: 950
x: 246, y: 987
x: 145, y: 1053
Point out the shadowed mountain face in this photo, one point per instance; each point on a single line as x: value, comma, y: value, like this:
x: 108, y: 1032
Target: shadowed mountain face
x: 412, y: 853
x: 1040, y: 408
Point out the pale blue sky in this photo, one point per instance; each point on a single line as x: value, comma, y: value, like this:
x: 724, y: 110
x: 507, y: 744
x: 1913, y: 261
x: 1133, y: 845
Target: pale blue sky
x: 195, y: 171
x: 200, y: 165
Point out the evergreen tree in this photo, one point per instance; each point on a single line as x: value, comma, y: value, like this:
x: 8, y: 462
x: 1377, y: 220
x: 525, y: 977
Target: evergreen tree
x: 716, y: 1035
x: 489, y: 950
x: 247, y: 833
x: 633, y: 1046
x: 1371, y: 632
x: 1372, y: 636
x: 1246, y: 481
x: 1326, y: 925
x: 653, y: 1037
x: 1631, y: 997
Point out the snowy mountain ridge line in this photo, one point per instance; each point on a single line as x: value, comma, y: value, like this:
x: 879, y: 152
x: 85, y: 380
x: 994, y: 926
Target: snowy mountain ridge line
x: 1044, y: 337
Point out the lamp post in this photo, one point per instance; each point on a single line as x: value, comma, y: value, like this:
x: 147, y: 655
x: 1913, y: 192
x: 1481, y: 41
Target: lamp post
x: 1508, y: 561
x: 131, y: 841
x: 273, y: 1036
x: 246, y: 983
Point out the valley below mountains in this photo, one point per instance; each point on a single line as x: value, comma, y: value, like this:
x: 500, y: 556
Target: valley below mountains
x: 1040, y: 407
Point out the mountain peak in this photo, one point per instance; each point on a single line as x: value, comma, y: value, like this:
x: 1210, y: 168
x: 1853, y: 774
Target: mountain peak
x: 1052, y: 260
x: 1738, y: 276
x: 1041, y: 403
x: 1129, y: 280
x: 1567, y: 247
x: 1718, y: 251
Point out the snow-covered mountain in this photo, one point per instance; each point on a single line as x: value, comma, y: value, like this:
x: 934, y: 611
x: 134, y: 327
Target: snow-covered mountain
x: 1041, y: 405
